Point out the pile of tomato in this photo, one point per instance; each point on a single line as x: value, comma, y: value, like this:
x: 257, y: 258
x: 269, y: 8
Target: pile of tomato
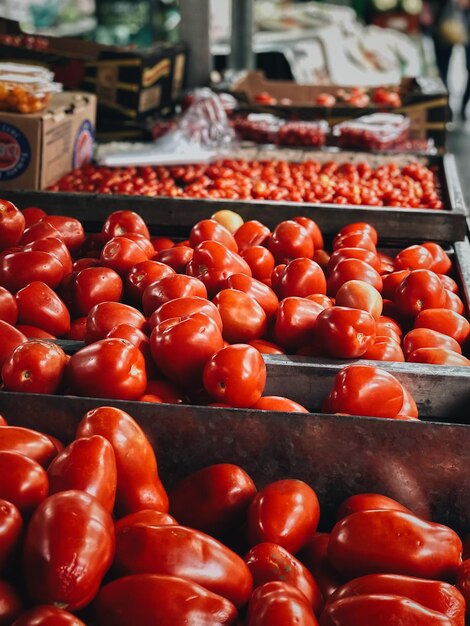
x: 359, y: 97
x: 412, y: 186
x: 89, y: 534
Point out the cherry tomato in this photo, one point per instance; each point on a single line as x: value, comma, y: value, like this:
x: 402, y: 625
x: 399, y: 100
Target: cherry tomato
x: 278, y: 403
x: 428, y: 338
x: 182, y: 307
x: 120, y: 223
x: 344, y: 332
x: 8, y: 307
x: 184, y: 552
x: 177, y: 258
x: 30, y: 443
x: 10, y: 602
x: 235, y: 375
x: 11, y: 525
x: 414, y: 258
x: 368, y: 502
x: 251, y: 233
x: 45, y: 615
x: 10, y: 338
x: 420, y: 290
x: 211, y: 230
x: 23, y: 482
x: 18, y: 269
x: 147, y: 517
x: 12, y: 224
x: 87, y: 465
x: 446, y: 322
x: 149, y: 599
x: 170, y: 287
x: 357, y: 294
x: 315, y: 558
x: 138, y: 484
x: 290, y: 240
x: 243, y: 318
x: 109, y: 368
x: 93, y: 285
x: 85, y: 551
x: 398, y: 543
x: 36, y: 366
x: 352, y: 269
x: 285, y: 512
x: 104, y: 316
x: 213, y: 499
x: 39, y: 305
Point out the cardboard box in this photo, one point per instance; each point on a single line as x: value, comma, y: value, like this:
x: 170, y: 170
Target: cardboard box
x: 424, y: 100
x: 37, y: 149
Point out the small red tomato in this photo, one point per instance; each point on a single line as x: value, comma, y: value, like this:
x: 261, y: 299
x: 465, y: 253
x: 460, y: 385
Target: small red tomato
x: 45, y: 615
x: 88, y: 465
x: 119, y: 223
x: 413, y: 258
x: 278, y: 403
x: 166, y: 392
x: 104, y: 316
x: 428, y: 338
x: 162, y: 243
x: 285, y: 512
x: 446, y: 322
x: 10, y: 338
x: 170, y: 287
x: 235, y: 375
x: 39, y: 305
x: 138, y: 484
x: 345, y: 333
x: 251, y: 233
x: 352, y: 269
x: 30, y: 443
x: 23, y: 482
x: 8, y: 307
x: 420, y: 290
x: 357, y: 294
x: 85, y: 551
x: 12, y: 225
x: 213, y: 499
x: 11, y: 525
x: 290, y: 240
x: 211, y: 230
x: 34, y: 367
x: 93, y: 285
x: 10, y: 602
x: 279, y: 603
x: 177, y: 258
x: 121, y: 253
x: 17, y: 269
x: 243, y: 318
x: 325, y: 100
x: 109, y: 368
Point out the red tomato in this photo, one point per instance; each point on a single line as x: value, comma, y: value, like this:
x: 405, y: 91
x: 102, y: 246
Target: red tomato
x: 345, y: 333
x: 11, y: 526
x: 446, y: 322
x: 383, y: 609
x: 40, y: 230
x: 162, y: 243
x: 12, y: 225
x: 463, y: 582
x: 266, y: 347
x: 85, y: 551
x: 428, y: 338
x: 438, y: 356
x: 30, y: 443
x: 361, y: 227
x: 243, y: 318
x: 368, y: 502
x: 301, y: 277
x: 261, y: 262
x: 10, y: 338
x: 104, y: 316
x: 357, y: 294
x: 315, y: 558
x: 32, y: 214
x: 144, y: 244
x: 138, y: 484
x: 285, y: 512
x: 420, y: 290
x: 70, y: 230
x: 388, y: 327
x: 352, y: 269
x: 213, y: 499
x: 409, y: 410
x: 10, y: 602
x: 87, y: 465
x: 235, y: 375
x: 186, y: 553
x: 8, y: 307
x: 93, y: 285
x: 432, y: 594
x: 54, y: 246
x: 278, y: 403
x: 147, y: 517
x: 18, y: 269
x: 295, y: 322
x: 441, y: 262
x: 45, y: 615
x: 322, y: 258
x: 138, y: 339
x: 183, y: 307
x: 109, y: 368
x: 251, y: 233
x: 260, y: 292
x: 33, y: 332
x: 34, y: 367
x: 23, y: 482
x: 414, y: 258
x: 270, y: 562
x: 449, y: 283
x: 166, y: 392
x: 392, y: 281
x: 171, y: 287
x: 454, y: 303
x: 39, y: 305
x: 277, y: 603
x: 355, y: 239
x: 177, y: 258
x: 385, y: 349
x: 211, y: 230
x: 290, y: 240
x: 121, y: 223
x: 77, y: 329
x: 397, y: 543
x: 366, y: 390
x: 313, y: 230
x: 141, y: 275
x: 361, y: 254
x: 149, y: 599
x: 121, y: 253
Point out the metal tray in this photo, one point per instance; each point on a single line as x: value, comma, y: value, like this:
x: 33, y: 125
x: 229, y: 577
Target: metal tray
x: 175, y: 216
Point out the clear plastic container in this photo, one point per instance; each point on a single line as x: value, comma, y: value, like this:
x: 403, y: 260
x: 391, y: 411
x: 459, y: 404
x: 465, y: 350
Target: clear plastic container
x: 258, y: 127
x: 25, y: 88
x: 380, y: 131
x: 310, y: 134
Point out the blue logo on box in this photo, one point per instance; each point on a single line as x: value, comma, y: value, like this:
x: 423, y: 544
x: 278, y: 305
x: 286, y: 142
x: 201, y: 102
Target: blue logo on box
x: 15, y: 152
x: 83, y: 145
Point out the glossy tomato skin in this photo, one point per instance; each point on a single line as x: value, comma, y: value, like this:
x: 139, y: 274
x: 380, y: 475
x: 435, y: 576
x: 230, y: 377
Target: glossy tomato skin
x: 398, y: 543
x: 213, y: 499
x: 29, y: 442
x: 141, y: 275
x: 39, y: 305
x: 313, y: 230
x: 177, y: 258
x: 428, y: 338
x: 315, y: 558
x: 106, y: 315
x: 85, y: 552
x: 138, y: 484
x: 432, y: 594
x: 438, y: 356
x: 368, y: 502
x: 40, y: 230
x: 33, y: 332
x: 171, y: 287
x: 235, y: 375
x: 345, y: 333
x: 56, y: 247
x: 251, y: 233
x: 36, y: 366
x: 11, y: 525
x: 385, y: 349
x: 392, y: 281
x: 384, y: 609
x: 110, y: 368
x: 261, y: 262
x: 361, y: 254
x: 147, y: 517
x: 285, y: 512
x: 454, y: 302
x: 352, y: 269
x: 414, y: 258
x: 257, y: 290
x: 119, y: 223
x: 32, y: 214
x: 420, y: 290
x: 181, y: 347
x: 243, y: 319
x: 137, y: 338
x: 357, y: 294
x: 301, y: 277
x: 77, y: 329
x: 18, y: 269
x: 445, y: 321
x: 441, y: 262
x: 147, y: 599
x: 93, y: 285
x: 8, y: 307
x: 463, y: 582
x: 366, y: 390
x: 70, y: 230
x: 278, y: 403
x: 10, y: 604
x: 10, y: 338
x: 290, y: 240
x: 121, y: 253
x: 266, y: 347
x: 269, y: 562
x: 12, y: 224
x: 172, y: 550
x: 354, y: 239
x: 279, y: 604
x: 45, y: 615
x: 182, y: 307
x: 23, y: 482
x: 87, y: 465
x: 211, y: 230
x: 295, y: 322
